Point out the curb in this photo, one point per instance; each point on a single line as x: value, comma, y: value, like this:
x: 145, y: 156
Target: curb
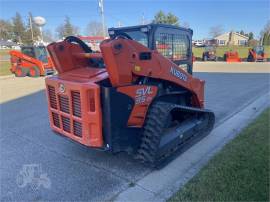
x: 7, y: 76
x: 160, y: 185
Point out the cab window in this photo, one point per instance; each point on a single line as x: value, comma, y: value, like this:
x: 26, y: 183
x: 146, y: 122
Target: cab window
x: 174, y: 46
x: 138, y: 36
x: 28, y: 51
x: 41, y: 54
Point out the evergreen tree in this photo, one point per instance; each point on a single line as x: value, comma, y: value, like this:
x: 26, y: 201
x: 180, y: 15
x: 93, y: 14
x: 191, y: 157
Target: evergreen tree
x: 250, y: 36
x: 266, y: 39
x: 18, y: 28
x: 162, y: 18
x: 66, y: 29
x: 265, y: 34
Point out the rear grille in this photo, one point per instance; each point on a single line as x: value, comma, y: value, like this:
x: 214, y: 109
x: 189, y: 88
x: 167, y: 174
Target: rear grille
x: 77, y: 128
x: 76, y: 103
x: 66, y: 111
x: 66, y: 124
x: 64, y: 104
x: 52, y: 97
x: 56, y: 121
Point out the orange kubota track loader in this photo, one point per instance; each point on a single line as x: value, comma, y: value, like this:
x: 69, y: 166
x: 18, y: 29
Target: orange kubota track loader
x: 31, y: 61
x: 232, y: 56
x: 129, y: 97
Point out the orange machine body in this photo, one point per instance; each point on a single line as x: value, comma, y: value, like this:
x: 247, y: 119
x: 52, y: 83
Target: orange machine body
x: 84, y: 100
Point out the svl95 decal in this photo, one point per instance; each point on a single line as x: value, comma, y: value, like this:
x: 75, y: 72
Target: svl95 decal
x: 143, y: 95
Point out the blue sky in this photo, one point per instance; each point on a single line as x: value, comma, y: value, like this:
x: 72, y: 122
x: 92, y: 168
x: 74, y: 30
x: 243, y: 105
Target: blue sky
x: 247, y: 15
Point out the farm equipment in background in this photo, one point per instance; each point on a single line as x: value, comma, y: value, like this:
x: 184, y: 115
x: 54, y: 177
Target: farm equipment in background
x: 231, y: 56
x: 129, y: 97
x: 209, y: 54
x: 92, y: 41
x: 31, y: 61
x: 257, y: 54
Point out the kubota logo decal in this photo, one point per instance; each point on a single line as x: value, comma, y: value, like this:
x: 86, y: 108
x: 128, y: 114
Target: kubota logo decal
x: 62, y: 88
x: 178, y: 74
x: 143, y: 95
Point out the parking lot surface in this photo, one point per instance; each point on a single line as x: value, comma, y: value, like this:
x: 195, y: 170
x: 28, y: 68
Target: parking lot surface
x: 232, y: 67
x: 65, y: 170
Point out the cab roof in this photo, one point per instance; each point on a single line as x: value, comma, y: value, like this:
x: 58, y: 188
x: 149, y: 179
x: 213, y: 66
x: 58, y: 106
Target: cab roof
x: 150, y: 26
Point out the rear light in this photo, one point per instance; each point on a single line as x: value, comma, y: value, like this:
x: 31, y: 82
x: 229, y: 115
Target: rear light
x: 92, y: 101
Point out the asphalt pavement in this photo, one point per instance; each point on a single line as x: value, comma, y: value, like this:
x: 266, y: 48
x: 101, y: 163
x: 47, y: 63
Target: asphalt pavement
x: 36, y: 164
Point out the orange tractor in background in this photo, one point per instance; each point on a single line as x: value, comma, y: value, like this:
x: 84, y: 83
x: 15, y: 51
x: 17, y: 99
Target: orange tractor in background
x: 232, y: 56
x: 135, y: 96
x: 32, y: 61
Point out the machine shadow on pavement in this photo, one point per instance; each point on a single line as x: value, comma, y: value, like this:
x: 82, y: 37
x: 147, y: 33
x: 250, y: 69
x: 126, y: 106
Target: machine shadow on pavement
x: 26, y: 139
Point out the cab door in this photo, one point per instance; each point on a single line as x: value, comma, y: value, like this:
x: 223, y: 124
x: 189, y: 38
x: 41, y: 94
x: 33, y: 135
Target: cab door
x: 175, y: 44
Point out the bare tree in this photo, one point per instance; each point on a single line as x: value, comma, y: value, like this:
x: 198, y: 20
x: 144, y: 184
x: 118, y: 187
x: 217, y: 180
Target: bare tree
x: 6, y: 29
x: 266, y: 29
x: 186, y: 25
x: 216, y: 30
x: 48, y: 36
x: 94, y: 28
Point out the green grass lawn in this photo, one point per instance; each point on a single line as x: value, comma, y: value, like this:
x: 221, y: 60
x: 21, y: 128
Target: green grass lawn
x: 4, y: 65
x: 239, y: 172
x: 4, y: 68
x: 4, y: 52
x: 242, y: 51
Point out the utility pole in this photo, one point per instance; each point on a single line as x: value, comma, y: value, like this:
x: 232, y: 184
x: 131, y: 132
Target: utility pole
x: 101, y: 8
x: 143, y: 20
x: 41, y: 34
x: 119, y: 24
x: 31, y: 27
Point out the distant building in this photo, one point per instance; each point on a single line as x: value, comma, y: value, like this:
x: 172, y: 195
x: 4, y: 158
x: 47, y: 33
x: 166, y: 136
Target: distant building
x: 92, y: 41
x: 7, y: 44
x: 231, y: 38
x: 198, y: 43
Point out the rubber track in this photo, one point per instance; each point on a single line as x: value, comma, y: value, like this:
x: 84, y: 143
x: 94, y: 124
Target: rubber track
x: 153, y: 129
